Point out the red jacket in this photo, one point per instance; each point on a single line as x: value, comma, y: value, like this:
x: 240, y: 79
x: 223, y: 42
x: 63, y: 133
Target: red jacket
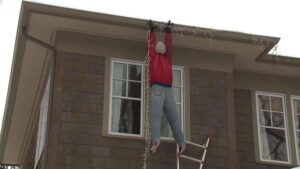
x: 160, y: 65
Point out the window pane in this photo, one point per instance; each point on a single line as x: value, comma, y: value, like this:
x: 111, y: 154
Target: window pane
x: 134, y: 89
x: 177, y: 94
x: 296, y: 104
x: 176, y: 78
x: 126, y: 116
x: 297, y: 122
x: 273, y: 144
x: 135, y: 72
x: 265, y: 118
x: 120, y: 71
x: 119, y: 88
x: 116, y: 113
x: 298, y: 144
x: 277, y: 104
x: 278, y: 120
x: 264, y: 102
x: 296, y: 110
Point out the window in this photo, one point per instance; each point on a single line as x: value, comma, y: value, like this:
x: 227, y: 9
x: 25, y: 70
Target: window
x: 296, y: 116
x: 272, y: 127
x: 127, y: 98
x: 178, y: 95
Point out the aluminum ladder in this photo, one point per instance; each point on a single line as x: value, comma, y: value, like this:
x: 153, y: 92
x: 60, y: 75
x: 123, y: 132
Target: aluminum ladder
x: 201, y: 162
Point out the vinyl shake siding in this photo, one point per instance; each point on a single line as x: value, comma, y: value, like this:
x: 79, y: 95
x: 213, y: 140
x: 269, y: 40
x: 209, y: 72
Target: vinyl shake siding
x: 79, y: 88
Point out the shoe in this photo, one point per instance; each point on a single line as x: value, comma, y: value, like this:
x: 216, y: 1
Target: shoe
x: 181, y: 149
x: 154, y: 147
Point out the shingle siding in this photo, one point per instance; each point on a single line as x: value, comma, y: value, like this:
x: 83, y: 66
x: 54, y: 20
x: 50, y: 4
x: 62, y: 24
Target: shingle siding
x: 209, y: 115
x: 81, y: 144
x: 81, y: 141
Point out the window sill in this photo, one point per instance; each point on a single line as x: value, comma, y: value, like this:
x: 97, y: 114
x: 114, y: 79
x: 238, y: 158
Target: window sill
x: 142, y: 138
x: 277, y: 163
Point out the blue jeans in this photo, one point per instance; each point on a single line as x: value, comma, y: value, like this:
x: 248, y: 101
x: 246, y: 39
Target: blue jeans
x: 162, y: 100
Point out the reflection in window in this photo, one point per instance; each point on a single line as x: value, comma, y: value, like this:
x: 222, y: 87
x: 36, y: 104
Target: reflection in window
x: 126, y: 98
x: 178, y: 91
x: 296, y: 116
x: 273, y: 144
x: 273, y: 140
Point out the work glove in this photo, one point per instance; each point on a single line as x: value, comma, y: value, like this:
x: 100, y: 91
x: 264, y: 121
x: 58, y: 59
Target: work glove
x: 151, y: 26
x: 169, y: 26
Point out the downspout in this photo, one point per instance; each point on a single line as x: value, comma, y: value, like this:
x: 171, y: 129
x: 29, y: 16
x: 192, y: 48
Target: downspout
x: 52, y: 78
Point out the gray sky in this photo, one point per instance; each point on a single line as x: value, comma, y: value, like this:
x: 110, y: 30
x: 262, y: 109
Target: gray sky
x: 264, y: 17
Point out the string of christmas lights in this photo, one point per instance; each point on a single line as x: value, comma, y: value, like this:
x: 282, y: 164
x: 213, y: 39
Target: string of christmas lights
x: 147, y: 126
x: 209, y: 34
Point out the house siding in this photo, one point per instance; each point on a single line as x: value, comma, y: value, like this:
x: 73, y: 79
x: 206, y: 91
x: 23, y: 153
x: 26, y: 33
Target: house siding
x: 209, y: 115
x: 245, y: 135
x: 80, y: 141
x: 82, y: 145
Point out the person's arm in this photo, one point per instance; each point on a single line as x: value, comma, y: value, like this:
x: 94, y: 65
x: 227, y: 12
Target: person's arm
x: 168, y: 40
x: 151, y: 43
x: 151, y: 39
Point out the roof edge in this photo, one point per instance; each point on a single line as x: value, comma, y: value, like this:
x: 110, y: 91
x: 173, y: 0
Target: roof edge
x: 279, y: 59
x: 141, y: 24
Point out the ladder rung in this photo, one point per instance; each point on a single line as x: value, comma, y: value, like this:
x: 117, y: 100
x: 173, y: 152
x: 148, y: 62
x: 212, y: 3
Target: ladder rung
x: 191, y: 158
x: 194, y: 144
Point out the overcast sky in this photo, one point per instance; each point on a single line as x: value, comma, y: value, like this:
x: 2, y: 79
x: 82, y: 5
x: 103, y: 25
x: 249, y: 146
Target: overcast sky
x: 264, y: 17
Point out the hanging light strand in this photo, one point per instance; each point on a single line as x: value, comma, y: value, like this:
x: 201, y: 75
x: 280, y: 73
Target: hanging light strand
x: 147, y: 127
x: 209, y: 34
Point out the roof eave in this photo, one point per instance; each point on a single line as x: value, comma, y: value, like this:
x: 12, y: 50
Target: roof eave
x: 280, y: 60
x: 141, y: 24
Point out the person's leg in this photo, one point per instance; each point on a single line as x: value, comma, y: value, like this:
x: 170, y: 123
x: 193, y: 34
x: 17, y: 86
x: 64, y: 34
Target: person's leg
x: 157, y: 102
x: 172, y: 115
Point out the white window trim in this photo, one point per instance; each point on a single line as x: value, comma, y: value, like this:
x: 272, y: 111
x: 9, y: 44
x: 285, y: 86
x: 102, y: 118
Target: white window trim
x: 115, y: 60
x: 283, y: 96
x: 294, y: 122
x: 181, y: 69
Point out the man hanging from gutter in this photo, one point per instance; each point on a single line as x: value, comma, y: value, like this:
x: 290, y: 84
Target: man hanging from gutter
x: 162, y: 94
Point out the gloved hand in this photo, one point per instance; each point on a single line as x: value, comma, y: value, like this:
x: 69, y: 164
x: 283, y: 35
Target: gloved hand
x: 169, y: 26
x: 151, y: 26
